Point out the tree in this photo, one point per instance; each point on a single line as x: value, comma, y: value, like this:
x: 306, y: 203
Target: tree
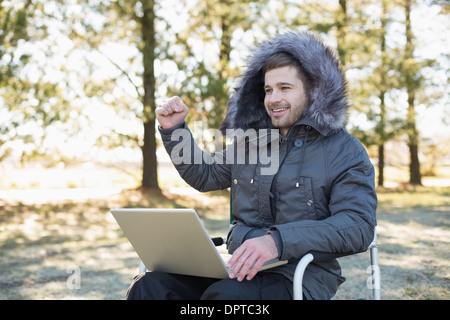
x: 381, y: 127
x: 361, y: 45
x: 131, y: 23
x: 209, y: 77
x: 14, y: 25
x: 383, y: 89
x: 386, y: 71
x: 342, y: 30
x: 32, y: 101
x: 147, y: 22
x: 412, y: 82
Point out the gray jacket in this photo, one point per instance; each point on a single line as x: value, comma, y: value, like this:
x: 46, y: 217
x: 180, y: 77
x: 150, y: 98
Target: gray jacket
x: 322, y: 195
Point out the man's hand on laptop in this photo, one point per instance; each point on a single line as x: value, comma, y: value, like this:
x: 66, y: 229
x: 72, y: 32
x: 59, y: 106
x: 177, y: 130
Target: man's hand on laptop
x: 171, y: 113
x: 251, y: 256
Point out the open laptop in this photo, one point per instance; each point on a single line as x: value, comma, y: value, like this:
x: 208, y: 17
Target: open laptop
x: 175, y: 241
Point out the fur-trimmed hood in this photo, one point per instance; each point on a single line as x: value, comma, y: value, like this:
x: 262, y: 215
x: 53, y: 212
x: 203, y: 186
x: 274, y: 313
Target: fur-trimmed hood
x: 328, y: 107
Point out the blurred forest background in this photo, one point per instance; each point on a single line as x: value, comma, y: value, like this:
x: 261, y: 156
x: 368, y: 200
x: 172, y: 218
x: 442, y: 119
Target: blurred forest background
x: 80, y: 79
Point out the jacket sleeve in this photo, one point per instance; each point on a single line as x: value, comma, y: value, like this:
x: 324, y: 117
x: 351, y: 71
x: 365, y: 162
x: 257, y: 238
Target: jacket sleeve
x: 201, y: 170
x: 352, y: 207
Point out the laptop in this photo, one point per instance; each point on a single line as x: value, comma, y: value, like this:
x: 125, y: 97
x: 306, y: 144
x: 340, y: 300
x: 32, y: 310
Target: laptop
x: 174, y: 241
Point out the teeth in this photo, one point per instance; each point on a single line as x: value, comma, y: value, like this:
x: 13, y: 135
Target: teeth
x: 279, y: 110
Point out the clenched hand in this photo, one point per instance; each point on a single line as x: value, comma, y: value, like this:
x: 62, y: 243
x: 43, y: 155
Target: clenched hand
x: 171, y: 113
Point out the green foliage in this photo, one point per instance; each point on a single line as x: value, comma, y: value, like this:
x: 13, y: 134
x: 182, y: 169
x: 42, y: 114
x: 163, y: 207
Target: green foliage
x: 25, y: 100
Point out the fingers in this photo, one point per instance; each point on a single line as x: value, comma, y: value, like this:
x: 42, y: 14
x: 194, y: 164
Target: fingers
x: 255, y: 268
x: 161, y: 111
x: 171, y: 113
x: 173, y: 105
x: 240, y: 262
x: 245, y: 263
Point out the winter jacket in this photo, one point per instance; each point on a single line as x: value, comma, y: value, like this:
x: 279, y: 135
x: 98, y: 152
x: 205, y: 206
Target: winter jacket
x: 322, y: 195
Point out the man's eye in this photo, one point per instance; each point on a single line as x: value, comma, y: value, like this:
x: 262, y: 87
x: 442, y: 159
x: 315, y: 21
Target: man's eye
x: 285, y: 88
x: 268, y: 90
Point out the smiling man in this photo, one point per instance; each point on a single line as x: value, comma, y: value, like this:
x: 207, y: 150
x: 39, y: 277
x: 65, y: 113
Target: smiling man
x: 321, y: 198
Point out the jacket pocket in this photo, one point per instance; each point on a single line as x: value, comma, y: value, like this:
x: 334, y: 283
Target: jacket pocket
x: 307, y: 203
x: 296, y: 202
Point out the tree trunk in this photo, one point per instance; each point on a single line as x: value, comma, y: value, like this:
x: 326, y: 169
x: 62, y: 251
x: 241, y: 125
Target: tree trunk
x: 413, y: 135
x: 149, y: 174
x: 382, y: 122
x: 381, y: 165
x: 342, y: 26
x: 382, y: 137
x: 415, y: 176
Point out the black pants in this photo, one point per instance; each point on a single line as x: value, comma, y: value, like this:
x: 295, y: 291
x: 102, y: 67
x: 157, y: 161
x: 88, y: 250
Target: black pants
x: 166, y: 286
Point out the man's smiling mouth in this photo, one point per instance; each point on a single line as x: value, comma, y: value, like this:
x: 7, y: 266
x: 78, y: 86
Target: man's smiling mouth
x: 279, y: 110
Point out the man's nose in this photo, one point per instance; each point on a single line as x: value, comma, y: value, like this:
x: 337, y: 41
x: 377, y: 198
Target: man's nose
x: 275, y: 96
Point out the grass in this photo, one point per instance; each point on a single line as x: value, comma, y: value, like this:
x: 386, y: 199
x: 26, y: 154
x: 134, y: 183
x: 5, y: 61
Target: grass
x: 413, y: 236
x: 45, y: 242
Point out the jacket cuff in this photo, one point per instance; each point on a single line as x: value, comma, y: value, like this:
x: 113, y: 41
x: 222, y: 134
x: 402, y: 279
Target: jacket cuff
x: 169, y: 131
x: 277, y: 236
x: 254, y: 233
x: 236, y: 236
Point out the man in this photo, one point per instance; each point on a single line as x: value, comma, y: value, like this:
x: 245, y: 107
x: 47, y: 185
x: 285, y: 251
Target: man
x: 321, y: 197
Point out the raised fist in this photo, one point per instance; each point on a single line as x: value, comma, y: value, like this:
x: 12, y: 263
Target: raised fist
x: 171, y: 113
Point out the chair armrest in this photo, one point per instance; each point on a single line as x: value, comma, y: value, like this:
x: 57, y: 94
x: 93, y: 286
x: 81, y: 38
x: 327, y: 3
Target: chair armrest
x: 298, y: 275
x: 304, y: 262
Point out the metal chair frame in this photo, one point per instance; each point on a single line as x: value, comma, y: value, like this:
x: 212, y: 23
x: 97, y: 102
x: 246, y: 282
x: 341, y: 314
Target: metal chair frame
x: 375, y: 281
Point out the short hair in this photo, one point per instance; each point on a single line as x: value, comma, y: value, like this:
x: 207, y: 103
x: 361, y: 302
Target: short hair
x: 283, y: 59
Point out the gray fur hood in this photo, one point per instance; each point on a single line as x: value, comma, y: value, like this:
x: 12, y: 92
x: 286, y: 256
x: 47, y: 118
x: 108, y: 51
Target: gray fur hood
x: 327, y: 111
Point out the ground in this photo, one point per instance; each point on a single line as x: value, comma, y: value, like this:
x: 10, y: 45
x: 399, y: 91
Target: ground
x: 59, y: 241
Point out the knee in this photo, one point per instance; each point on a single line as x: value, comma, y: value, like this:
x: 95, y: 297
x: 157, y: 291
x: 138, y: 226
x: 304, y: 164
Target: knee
x: 143, y: 286
x: 222, y: 290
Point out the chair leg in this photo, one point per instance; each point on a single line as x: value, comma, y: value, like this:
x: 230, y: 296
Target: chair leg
x: 375, y: 269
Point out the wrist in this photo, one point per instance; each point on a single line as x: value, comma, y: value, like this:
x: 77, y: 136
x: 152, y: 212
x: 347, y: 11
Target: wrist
x: 275, y: 235
x: 272, y: 244
x: 169, y: 130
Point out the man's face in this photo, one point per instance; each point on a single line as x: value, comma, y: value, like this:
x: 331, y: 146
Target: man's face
x: 285, y: 99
